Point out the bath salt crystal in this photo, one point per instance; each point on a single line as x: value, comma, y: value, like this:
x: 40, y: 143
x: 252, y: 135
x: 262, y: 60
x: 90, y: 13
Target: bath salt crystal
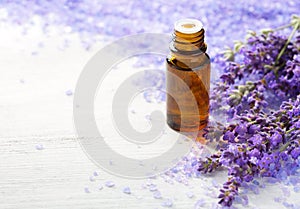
x: 109, y: 184
x: 91, y: 178
x: 157, y: 195
x: 126, y: 190
x: 86, y: 190
x: 39, y: 147
x: 167, y: 203
x: 199, y: 204
x: 190, y: 194
x: 152, y: 188
x: 69, y: 92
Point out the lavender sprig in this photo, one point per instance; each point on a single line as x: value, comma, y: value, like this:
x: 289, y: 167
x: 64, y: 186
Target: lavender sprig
x: 260, y: 91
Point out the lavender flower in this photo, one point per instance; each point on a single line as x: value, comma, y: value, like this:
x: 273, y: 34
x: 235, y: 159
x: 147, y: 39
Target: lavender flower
x: 260, y: 93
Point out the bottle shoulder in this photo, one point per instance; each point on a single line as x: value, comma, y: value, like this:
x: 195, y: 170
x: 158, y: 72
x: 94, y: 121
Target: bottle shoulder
x: 188, y: 63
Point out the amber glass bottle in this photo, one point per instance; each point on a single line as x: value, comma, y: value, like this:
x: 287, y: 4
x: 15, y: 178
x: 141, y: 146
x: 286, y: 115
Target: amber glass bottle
x: 189, y: 62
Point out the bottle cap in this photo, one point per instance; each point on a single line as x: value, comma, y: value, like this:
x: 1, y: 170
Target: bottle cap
x: 188, y: 26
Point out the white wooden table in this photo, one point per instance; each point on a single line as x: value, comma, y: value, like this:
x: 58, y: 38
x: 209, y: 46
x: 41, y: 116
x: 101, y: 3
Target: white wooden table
x: 41, y: 162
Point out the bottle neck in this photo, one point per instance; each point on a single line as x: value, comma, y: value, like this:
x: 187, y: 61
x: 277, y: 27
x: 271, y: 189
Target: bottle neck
x: 188, y: 43
x: 188, y: 50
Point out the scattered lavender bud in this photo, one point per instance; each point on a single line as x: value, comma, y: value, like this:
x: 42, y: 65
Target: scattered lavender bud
x: 95, y: 173
x: 92, y: 178
x: 100, y: 187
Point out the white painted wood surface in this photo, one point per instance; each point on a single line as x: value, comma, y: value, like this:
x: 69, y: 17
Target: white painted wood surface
x: 36, y: 113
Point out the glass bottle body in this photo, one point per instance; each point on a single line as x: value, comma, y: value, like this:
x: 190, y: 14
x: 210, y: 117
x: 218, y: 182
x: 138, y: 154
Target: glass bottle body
x: 194, y: 71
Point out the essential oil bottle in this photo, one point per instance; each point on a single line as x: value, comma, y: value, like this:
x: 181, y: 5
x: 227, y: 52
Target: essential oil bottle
x: 190, y: 63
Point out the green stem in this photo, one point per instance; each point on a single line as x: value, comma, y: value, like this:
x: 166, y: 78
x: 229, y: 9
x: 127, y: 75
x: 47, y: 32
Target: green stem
x: 289, y: 131
x: 283, y: 27
x: 284, y: 146
x: 286, y: 43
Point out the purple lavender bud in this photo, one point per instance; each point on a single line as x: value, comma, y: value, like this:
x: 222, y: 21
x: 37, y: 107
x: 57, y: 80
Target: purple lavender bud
x: 295, y: 153
x: 229, y: 136
x: 284, y: 156
x: 241, y: 129
x: 276, y: 138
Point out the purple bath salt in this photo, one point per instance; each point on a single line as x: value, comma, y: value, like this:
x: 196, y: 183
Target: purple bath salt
x: 152, y: 188
x: 286, y: 192
x: 167, y: 203
x: 109, y: 184
x: 157, y: 195
x: 287, y: 205
x: 126, y: 190
x: 294, y: 180
x: 190, y: 194
x: 277, y: 199
x: 297, y: 189
x: 199, y: 204
x: 69, y: 92
x: 39, y: 147
x: 215, y: 183
x: 86, y: 190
